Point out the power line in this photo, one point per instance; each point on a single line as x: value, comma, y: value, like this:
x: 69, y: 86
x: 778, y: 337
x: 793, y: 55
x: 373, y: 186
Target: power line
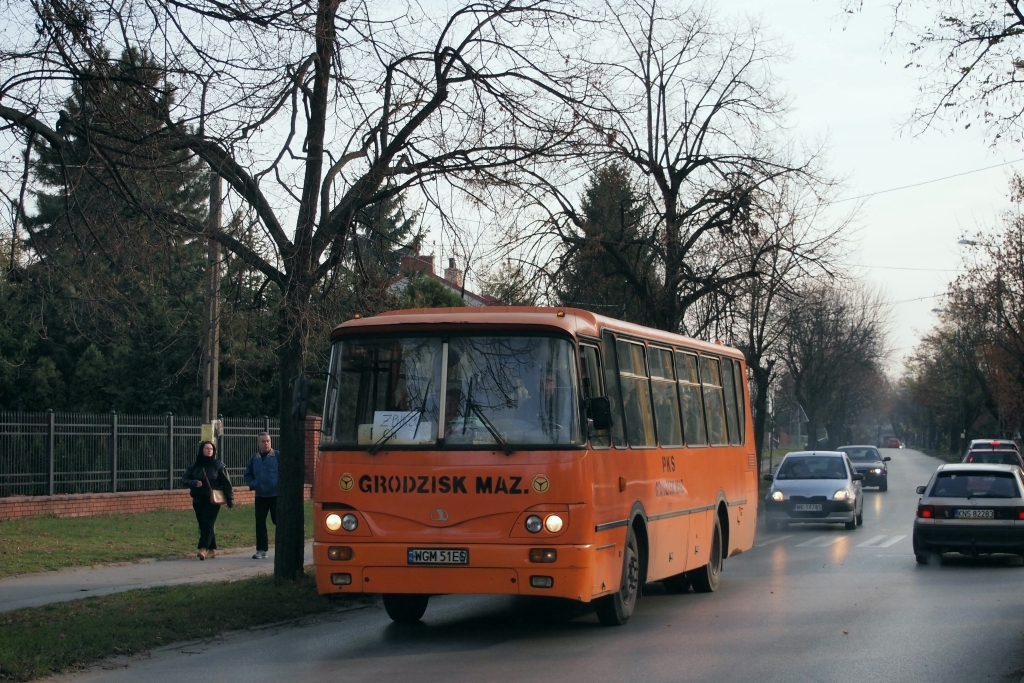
x: 927, y: 182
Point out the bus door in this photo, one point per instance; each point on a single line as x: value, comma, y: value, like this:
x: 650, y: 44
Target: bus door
x: 696, y: 460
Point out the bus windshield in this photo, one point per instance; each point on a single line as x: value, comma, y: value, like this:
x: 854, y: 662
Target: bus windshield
x: 498, y: 391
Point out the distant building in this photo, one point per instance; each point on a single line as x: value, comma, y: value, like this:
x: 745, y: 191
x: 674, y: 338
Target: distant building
x: 453, y: 279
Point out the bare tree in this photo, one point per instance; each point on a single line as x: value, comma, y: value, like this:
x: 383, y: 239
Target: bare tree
x: 834, y: 345
x: 310, y: 112
x: 793, y: 244
x: 689, y: 107
x: 969, y: 59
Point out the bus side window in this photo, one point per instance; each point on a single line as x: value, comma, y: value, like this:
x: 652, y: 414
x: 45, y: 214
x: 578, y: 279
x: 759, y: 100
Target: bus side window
x: 666, y: 398
x: 740, y: 376
x: 694, y: 429
x: 636, y: 394
x: 611, y: 375
x: 714, y: 401
x: 590, y: 373
x: 729, y: 386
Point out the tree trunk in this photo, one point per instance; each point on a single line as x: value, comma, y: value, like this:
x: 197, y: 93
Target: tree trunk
x: 290, y: 536
x: 761, y: 381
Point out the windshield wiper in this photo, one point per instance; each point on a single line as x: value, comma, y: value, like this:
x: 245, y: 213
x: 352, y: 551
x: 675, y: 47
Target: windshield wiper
x: 490, y: 426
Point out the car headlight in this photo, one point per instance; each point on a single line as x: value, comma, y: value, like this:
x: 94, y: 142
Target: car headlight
x: 778, y: 496
x: 553, y: 523
x: 841, y: 494
x: 877, y: 470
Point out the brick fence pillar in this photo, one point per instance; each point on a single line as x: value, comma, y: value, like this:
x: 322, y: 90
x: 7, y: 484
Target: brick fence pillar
x: 311, y: 446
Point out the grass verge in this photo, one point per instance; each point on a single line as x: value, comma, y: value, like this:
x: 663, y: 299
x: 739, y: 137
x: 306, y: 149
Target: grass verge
x: 43, y: 543
x: 64, y: 636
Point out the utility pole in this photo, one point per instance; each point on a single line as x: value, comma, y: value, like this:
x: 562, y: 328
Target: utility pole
x: 211, y: 317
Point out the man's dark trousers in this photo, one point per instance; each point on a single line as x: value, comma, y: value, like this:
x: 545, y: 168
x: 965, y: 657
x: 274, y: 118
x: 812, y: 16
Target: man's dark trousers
x: 263, y: 506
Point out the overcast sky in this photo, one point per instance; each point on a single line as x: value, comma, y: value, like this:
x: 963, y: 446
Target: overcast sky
x: 848, y: 84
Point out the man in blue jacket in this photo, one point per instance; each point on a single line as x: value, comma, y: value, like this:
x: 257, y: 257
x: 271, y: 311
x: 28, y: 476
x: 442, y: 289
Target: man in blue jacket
x: 261, y: 476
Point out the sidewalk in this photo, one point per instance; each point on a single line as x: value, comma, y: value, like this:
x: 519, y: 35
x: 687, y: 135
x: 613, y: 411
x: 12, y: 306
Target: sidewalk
x: 34, y: 590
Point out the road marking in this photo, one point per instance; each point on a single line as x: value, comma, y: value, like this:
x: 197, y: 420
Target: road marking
x: 892, y: 541
x: 772, y: 540
x: 820, y: 542
x: 870, y: 542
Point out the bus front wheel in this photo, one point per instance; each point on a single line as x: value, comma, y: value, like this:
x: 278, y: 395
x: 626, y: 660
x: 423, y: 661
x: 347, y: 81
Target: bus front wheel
x: 405, y: 608
x: 615, y: 609
x: 706, y: 579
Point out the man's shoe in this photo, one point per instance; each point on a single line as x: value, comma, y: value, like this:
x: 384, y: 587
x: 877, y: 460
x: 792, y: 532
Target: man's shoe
x: 201, y: 554
x: 210, y: 554
x: 260, y: 555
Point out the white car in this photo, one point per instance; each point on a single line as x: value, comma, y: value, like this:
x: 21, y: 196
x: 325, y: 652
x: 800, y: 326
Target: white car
x: 972, y: 509
x: 815, y: 487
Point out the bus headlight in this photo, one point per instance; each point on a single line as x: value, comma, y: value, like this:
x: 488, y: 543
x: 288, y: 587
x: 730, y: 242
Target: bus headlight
x: 534, y: 524
x: 841, y: 494
x: 349, y: 522
x: 778, y: 496
x: 333, y: 522
x: 553, y: 523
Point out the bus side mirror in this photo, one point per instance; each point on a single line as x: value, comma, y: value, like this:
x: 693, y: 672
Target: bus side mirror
x: 600, y: 410
x: 769, y: 477
x: 920, y: 490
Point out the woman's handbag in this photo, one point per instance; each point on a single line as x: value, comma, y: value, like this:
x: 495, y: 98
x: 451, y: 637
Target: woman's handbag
x: 217, y: 496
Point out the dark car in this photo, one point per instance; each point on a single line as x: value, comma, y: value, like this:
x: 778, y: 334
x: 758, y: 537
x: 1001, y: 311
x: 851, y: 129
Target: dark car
x: 869, y: 462
x: 993, y: 444
x: 990, y: 457
x: 970, y: 509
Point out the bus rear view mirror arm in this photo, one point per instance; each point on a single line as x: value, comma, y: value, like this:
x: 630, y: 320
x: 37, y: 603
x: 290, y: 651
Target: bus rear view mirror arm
x: 600, y: 410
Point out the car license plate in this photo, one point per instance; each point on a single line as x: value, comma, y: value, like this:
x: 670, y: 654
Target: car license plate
x: 975, y: 514
x: 438, y: 556
x: 807, y: 507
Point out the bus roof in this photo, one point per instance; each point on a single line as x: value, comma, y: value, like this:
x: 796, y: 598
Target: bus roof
x: 575, y: 322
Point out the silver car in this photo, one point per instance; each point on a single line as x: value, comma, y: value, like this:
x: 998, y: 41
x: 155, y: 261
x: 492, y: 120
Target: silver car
x: 972, y: 509
x: 815, y: 487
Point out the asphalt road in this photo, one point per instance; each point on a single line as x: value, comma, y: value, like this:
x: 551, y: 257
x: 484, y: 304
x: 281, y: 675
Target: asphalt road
x: 806, y: 604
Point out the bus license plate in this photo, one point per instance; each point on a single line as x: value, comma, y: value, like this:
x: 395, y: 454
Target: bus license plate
x: 975, y: 514
x: 807, y: 507
x: 438, y: 556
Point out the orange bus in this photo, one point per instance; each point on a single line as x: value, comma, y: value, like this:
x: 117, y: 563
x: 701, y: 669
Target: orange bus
x: 529, y: 451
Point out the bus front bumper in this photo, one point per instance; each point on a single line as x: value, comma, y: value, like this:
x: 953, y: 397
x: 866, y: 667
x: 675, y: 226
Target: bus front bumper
x: 503, y: 569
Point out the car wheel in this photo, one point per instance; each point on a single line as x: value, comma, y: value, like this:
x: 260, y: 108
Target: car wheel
x: 706, y: 579
x: 405, y: 608
x: 615, y: 609
x: 852, y: 524
x: 922, y: 558
x: 884, y: 486
x: 860, y: 518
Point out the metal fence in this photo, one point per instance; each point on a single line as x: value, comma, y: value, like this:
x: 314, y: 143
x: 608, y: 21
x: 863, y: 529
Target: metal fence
x: 50, y: 453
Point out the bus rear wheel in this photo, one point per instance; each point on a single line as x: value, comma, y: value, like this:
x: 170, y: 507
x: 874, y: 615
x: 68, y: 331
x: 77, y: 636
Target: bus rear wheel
x: 615, y: 609
x: 405, y: 608
x: 706, y: 579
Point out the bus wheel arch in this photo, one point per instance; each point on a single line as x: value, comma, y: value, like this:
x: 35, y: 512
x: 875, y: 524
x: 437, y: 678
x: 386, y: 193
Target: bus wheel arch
x: 723, y: 520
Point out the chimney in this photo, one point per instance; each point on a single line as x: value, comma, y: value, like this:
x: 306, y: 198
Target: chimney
x: 418, y: 264
x: 453, y: 274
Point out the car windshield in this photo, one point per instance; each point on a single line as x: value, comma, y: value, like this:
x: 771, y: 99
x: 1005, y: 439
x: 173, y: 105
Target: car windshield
x: 862, y: 454
x: 993, y: 457
x: 812, y: 467
x: 967, y: 485
x: 500, y: 391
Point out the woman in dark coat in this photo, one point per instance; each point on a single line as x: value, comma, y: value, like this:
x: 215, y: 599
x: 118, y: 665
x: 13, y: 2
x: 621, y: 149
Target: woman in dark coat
x: 206, y: 472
